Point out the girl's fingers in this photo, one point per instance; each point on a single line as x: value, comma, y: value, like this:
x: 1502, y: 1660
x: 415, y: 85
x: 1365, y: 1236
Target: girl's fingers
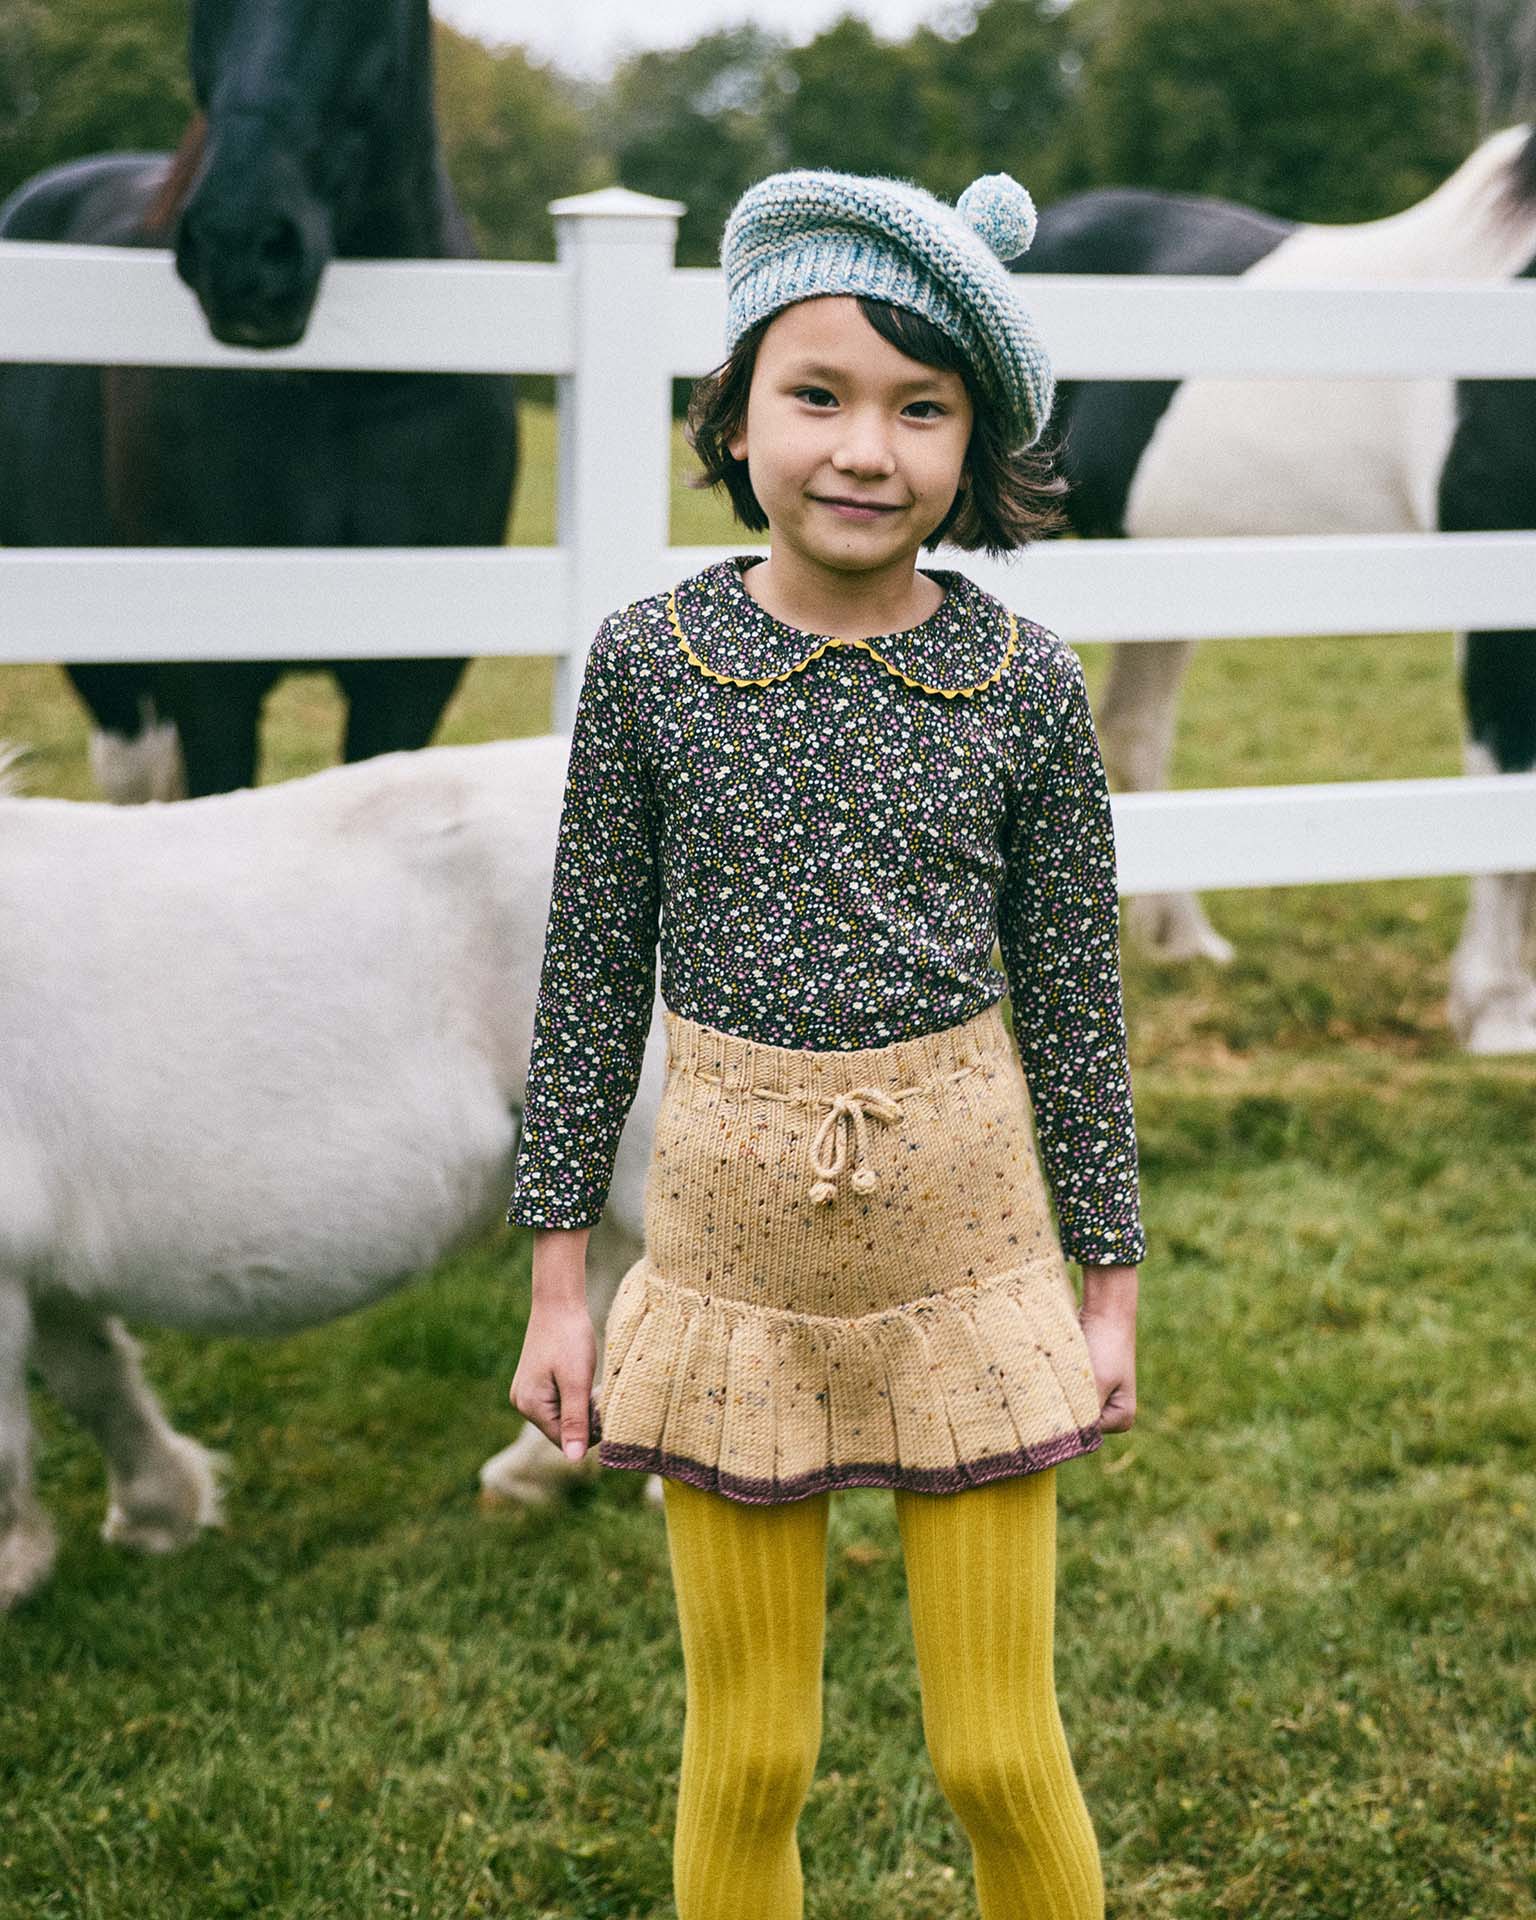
x: 561, y: 1414
x: 1119, y: 1409
x: 575, y: 1423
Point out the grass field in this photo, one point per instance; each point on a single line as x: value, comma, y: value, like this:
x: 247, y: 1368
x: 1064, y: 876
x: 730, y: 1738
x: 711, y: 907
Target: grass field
x: 1297, y: 1603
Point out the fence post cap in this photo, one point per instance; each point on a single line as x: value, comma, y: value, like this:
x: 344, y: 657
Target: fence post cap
x: 621, y: 203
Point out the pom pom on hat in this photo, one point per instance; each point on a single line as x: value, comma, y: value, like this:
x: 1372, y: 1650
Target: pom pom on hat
x: 1002, y: 212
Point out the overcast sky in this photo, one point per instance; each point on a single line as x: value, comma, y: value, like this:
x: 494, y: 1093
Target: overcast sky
x: 588, y: 36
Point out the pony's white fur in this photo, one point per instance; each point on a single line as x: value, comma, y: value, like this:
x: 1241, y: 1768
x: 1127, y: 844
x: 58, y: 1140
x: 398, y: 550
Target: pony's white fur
x: 1327, y: 456
x: 260, y: 1056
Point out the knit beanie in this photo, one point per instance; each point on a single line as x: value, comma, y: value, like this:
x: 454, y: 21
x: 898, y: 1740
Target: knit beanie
x: 811, y: 231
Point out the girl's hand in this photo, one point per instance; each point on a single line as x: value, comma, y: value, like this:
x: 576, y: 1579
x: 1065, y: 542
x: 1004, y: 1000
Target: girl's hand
x: 1108, y: 1321
x: 553, y: 1383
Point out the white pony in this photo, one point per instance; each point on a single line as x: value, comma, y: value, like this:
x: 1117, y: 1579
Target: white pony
x: 260, y: 1061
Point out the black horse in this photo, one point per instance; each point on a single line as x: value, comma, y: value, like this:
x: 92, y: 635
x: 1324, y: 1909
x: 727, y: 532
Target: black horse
x: 315, y: 139
x: 1209, y: 457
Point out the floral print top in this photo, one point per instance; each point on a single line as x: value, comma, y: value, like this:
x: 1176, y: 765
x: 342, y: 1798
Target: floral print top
x: 828, y: 835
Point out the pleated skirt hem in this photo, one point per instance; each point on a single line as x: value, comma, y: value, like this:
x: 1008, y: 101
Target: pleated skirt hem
x: 862, y: 1473
x: 950, y: 1390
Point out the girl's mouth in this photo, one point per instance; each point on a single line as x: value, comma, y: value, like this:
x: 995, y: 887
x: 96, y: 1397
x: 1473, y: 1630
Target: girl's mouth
x: 853, y: 509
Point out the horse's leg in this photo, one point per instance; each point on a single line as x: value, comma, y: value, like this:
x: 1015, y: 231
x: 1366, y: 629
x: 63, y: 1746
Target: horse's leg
x: 216, y: 705
x: 163, y: 1485
x: 1491, y: 1005
x: 135, y: 754
x: 394, y: 705
x: 26, y: 1536
x: 1492, y: 1000
x: 1135, y: 722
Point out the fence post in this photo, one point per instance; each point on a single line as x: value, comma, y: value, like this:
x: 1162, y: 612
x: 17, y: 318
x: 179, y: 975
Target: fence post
x: 614, y: 418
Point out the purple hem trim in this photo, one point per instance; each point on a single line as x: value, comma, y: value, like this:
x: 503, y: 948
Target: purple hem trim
x: 860, y: 1473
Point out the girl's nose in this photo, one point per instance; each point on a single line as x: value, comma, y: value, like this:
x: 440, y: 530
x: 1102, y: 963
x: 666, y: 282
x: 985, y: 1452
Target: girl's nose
x: 864, y: 448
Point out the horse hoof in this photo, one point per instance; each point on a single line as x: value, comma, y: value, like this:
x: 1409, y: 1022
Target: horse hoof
x: 1173, y: 927
x: 169, y: 1501
x: 523, y: 1492
x: 1495, y: 1032
x: 26, y: 1556
x: 530, y: 1472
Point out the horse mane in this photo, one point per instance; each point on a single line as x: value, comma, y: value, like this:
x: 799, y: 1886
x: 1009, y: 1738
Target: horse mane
x: 1517, y: 191
x: 1522, y: 173
x: 160, y: 215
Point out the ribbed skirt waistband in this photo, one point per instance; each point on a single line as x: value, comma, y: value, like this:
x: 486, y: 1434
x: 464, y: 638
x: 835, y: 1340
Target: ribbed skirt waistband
x: 736, y: 1062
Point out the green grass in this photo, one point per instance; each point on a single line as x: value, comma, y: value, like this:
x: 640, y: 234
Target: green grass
x: 1296, y: 1627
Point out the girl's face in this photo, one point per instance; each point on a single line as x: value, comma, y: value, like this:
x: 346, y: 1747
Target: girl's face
x: 836, y: 413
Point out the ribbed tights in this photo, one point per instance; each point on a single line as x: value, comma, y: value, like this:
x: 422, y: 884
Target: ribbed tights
x: 750, y: 1583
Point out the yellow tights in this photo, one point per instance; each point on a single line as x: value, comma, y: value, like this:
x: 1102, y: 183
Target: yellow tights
x: 750, y: 1583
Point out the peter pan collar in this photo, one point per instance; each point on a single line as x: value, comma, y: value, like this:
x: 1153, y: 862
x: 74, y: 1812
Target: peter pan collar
x: 963, y: 646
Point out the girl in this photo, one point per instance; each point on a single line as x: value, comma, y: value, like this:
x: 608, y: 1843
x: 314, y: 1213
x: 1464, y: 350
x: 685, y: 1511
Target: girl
x: 845, y: 777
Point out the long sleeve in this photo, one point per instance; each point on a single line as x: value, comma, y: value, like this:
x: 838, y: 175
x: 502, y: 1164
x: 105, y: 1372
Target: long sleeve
x: 1059, y: 930
x: 598, y: 981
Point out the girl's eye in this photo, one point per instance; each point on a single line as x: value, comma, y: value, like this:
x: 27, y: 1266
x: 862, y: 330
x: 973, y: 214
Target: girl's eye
x: 815, y: 395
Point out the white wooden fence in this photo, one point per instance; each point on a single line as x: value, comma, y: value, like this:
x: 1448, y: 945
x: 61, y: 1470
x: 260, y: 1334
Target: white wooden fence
x: 616, y: 320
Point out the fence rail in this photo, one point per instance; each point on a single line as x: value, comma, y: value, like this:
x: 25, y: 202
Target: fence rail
x: 507, y: 316
x: 616, y: 321
x: 167, y: 603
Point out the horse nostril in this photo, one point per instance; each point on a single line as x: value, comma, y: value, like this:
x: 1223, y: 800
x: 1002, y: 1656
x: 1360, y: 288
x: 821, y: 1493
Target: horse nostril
x: 279, y: 245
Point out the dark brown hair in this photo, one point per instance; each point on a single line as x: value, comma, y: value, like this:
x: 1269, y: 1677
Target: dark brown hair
x: 1011, y: 499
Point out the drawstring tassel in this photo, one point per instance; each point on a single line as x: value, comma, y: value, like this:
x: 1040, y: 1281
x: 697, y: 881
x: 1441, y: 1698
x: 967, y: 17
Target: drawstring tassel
x: 829, y: 1148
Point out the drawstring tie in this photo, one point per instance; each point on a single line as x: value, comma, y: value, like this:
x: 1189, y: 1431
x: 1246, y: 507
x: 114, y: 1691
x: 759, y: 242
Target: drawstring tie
x: 829, y: 1148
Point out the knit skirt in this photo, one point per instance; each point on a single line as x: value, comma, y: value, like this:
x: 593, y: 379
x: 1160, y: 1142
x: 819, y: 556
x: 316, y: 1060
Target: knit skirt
x: 851, y: 1277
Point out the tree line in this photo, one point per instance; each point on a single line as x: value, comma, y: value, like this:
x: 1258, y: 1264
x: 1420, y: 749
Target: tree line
x: 1322, y: 110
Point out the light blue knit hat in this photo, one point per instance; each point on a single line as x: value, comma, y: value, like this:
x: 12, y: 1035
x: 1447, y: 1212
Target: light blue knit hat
x: 812, y: 231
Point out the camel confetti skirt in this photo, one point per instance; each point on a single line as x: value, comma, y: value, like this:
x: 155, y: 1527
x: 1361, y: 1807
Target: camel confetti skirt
x: 851, y: 1276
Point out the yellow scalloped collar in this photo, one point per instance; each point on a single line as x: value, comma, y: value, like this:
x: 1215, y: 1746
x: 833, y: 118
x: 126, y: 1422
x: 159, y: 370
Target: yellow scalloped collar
x: 966, y: 644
